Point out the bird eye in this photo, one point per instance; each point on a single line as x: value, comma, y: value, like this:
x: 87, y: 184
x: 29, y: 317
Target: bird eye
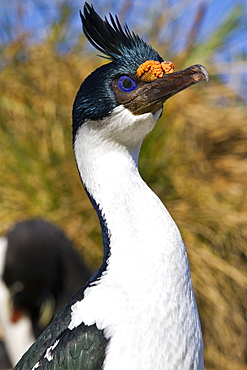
x: 126, y: 83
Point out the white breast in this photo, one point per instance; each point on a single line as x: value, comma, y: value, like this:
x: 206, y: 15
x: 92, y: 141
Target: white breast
x: 144, y: 301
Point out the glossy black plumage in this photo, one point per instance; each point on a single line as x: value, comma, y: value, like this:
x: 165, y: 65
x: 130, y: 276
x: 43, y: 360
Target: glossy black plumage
x: 85, y: 343
x: 115, y: 41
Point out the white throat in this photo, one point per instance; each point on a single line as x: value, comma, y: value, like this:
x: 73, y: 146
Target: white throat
x: 144, y: 301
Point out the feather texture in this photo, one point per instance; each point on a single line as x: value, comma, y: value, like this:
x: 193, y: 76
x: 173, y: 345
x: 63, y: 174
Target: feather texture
x: 113, y: 40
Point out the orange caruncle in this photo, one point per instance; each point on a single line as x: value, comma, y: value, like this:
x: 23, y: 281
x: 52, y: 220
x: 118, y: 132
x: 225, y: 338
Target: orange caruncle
x: 151, y: 70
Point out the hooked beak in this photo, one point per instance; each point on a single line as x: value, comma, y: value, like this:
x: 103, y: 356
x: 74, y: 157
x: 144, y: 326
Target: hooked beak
x: 150, y: 97
x: 170, y: 84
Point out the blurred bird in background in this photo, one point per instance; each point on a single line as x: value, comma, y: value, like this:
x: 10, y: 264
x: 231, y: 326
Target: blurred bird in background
x: 40, y: 270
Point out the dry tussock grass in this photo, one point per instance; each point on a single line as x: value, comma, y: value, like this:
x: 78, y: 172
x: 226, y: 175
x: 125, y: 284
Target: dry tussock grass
x: 195, y: 160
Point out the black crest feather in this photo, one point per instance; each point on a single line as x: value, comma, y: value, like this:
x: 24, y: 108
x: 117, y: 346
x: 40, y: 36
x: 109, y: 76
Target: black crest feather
x: 113, y: 40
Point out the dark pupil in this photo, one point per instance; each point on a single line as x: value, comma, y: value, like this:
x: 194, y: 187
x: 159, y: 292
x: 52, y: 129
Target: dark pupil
x: 127, y: 84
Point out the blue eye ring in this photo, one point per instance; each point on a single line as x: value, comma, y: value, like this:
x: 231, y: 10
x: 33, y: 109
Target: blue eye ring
x: 126, y: 83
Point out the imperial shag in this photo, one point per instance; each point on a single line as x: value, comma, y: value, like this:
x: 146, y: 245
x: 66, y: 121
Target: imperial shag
x: 39, y: 272
x: 138, y: 310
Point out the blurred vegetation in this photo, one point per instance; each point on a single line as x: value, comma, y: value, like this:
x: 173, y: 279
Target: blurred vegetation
x: 195, y: 160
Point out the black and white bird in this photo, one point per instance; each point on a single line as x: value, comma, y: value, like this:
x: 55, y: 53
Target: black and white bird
x: 138, y: 311
x: 40, y: 270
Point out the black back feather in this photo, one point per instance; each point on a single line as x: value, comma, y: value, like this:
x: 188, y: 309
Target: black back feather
x: 113, y: 40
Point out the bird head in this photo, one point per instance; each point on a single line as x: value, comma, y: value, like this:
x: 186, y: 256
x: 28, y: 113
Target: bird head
x: 136, y: 78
